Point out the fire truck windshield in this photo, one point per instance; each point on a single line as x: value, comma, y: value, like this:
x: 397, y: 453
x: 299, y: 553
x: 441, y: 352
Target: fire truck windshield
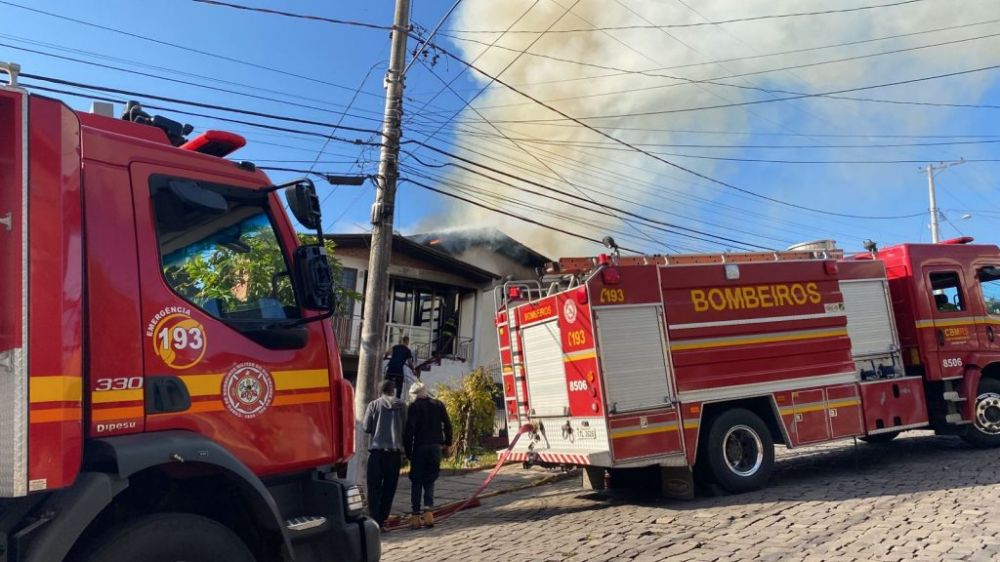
x: 230, y: 264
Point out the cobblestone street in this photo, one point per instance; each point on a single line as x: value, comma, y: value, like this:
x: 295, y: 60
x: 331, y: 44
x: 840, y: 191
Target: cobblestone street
x: 920, y: 497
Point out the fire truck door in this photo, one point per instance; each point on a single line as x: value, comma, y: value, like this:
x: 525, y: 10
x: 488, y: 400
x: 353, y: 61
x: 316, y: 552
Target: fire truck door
x: 952, y: 329
x: 221, y: 354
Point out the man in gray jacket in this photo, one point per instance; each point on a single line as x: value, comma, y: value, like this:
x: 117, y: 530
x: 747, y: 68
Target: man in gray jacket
x: 384, y: 421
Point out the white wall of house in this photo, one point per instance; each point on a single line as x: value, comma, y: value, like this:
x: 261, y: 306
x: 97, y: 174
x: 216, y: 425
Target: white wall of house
x: 487, y: 350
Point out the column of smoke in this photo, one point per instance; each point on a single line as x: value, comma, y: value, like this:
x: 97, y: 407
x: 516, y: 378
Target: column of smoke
x: 549, y: 79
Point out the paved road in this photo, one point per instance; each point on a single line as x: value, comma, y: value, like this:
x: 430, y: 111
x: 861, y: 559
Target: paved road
x: 921, y: 497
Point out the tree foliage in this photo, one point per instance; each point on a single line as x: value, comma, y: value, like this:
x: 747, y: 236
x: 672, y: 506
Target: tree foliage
x: 471, y: 408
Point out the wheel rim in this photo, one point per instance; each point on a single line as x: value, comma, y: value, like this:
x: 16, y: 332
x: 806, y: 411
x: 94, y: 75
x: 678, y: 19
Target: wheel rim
x: 988, y: 413
x: 743, y: 450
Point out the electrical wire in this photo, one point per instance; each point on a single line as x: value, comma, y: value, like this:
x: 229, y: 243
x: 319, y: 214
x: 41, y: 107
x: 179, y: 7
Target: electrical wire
x: 509, y: 214
x: 703, y: 24
x: 679, y: 230
x: 715, y: 80
x: 667, y: 162
x: 763, y: 55
x: 293, y: 15
x: 178, y: 46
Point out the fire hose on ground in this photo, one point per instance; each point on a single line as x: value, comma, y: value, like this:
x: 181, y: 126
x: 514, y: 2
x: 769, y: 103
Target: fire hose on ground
x: 447, y: 511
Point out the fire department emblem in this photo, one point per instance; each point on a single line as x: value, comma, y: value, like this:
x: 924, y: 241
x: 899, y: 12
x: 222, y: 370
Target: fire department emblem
x: 247, y: 390
x: 569, y: 311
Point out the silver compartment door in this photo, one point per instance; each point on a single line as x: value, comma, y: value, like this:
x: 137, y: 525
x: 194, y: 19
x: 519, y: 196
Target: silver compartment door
x: 869, y: 318
x: 633, y: 355
x: 548, y: 394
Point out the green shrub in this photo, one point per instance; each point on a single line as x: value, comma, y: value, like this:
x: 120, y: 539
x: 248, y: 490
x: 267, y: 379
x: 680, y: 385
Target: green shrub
x: 470, y: 408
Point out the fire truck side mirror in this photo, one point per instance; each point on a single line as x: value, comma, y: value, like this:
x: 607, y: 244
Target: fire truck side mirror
x: 314, y: 277
x: 304, y: 203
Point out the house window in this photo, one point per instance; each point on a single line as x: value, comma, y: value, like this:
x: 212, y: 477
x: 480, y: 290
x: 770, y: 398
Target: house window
x: 349, y: 278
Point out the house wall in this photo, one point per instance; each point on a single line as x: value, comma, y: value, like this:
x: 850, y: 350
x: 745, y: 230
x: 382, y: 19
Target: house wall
x: 487, y: 350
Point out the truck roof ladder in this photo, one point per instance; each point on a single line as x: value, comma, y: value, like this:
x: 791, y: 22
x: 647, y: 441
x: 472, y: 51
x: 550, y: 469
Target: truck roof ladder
x: 583, y: 265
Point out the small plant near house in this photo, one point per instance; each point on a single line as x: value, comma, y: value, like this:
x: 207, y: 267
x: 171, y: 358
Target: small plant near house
x: 471, y: 408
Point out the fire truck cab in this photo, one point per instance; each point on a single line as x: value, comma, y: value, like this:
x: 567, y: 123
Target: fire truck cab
x: 168, y: 387
x: 698, y: 364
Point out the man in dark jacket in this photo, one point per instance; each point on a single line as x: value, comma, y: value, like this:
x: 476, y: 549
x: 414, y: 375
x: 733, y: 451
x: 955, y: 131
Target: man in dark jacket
x: 384, y: 421
x: 428, y: 432
x: 400, y: 357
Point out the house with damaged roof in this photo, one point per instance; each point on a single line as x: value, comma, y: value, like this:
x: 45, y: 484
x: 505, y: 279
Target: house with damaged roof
x: 436, y: 278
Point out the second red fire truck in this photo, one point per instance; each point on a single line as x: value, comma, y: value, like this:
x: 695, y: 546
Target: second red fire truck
x: 700, y: 364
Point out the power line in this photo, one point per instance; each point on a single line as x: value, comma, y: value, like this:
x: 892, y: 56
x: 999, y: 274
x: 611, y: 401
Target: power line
x: 359, y: 142
x: 509, y: 214
x: 293, y: 15
x: 598, y: 144
x: 665, y: 161
x: 177, y: 46
x: 830, y: 94
x: 483, y: 195
x: 715, y: 80
x: 467, y: 103
x: 748, y: 133
x: 763, y: 55
x: 577, y: 197
x: 342, y: 114
x: 702, y: 24
x: 188, y: 102
x: 661, y: 193
x: 106, y: 57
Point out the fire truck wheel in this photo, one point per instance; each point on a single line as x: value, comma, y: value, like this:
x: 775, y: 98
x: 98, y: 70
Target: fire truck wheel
x: 984, y: 432
x: 168, y: 537
x: 880, y: 438
x: 739, y: 451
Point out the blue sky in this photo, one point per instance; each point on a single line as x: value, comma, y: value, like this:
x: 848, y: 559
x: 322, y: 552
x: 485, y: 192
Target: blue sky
x: 724, y: 144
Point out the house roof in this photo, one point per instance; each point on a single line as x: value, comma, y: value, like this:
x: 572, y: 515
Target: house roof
x: 456, y: 241
x: 414, y: 249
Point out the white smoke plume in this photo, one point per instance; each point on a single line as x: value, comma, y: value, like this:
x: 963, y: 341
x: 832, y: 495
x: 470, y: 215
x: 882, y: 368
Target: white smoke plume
x: 671, y: 194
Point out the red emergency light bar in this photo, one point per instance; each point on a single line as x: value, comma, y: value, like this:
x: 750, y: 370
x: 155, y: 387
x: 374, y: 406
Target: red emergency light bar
x: 215, y: 143
x: 959, y: 240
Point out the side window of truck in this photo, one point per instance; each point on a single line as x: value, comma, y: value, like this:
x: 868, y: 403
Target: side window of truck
x: 989, y: 283
x: 947, y: 290
x: 229, y: 263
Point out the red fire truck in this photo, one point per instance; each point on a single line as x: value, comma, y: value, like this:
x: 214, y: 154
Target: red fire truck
x: 168, y: 389
x: 699, y: 364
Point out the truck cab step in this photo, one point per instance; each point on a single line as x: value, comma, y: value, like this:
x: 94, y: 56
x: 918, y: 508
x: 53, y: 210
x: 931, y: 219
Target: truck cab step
x: 953, y: 396
x: 955, y: 418
x: 306, y: 525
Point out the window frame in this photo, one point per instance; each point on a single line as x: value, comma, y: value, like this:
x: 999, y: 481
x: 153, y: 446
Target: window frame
x: 982, y: 294
x: 963, y: 302
x: 241, y: 326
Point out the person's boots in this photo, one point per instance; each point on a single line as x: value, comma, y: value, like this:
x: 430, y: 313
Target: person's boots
x: 415, y: 520
x: 428, y: 518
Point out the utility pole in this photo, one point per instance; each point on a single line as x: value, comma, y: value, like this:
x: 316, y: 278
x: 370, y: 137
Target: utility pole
x: 931, y: 169
x: 377, y: 283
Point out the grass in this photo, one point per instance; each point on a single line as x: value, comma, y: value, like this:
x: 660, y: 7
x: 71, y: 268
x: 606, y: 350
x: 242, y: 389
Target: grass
x: 484, y: 458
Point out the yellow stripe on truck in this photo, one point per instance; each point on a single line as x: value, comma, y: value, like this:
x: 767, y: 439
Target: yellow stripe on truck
x: 753, y: 340
x: 55, y: 389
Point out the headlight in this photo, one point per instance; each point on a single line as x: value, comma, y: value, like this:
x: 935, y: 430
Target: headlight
x: 355, y: 501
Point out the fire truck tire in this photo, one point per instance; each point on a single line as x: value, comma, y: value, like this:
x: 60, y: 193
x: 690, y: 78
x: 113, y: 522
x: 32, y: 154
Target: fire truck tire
x: 880, y: 438
x: 168, y: 537
x: 739, y: 451
x: 984, y: 431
